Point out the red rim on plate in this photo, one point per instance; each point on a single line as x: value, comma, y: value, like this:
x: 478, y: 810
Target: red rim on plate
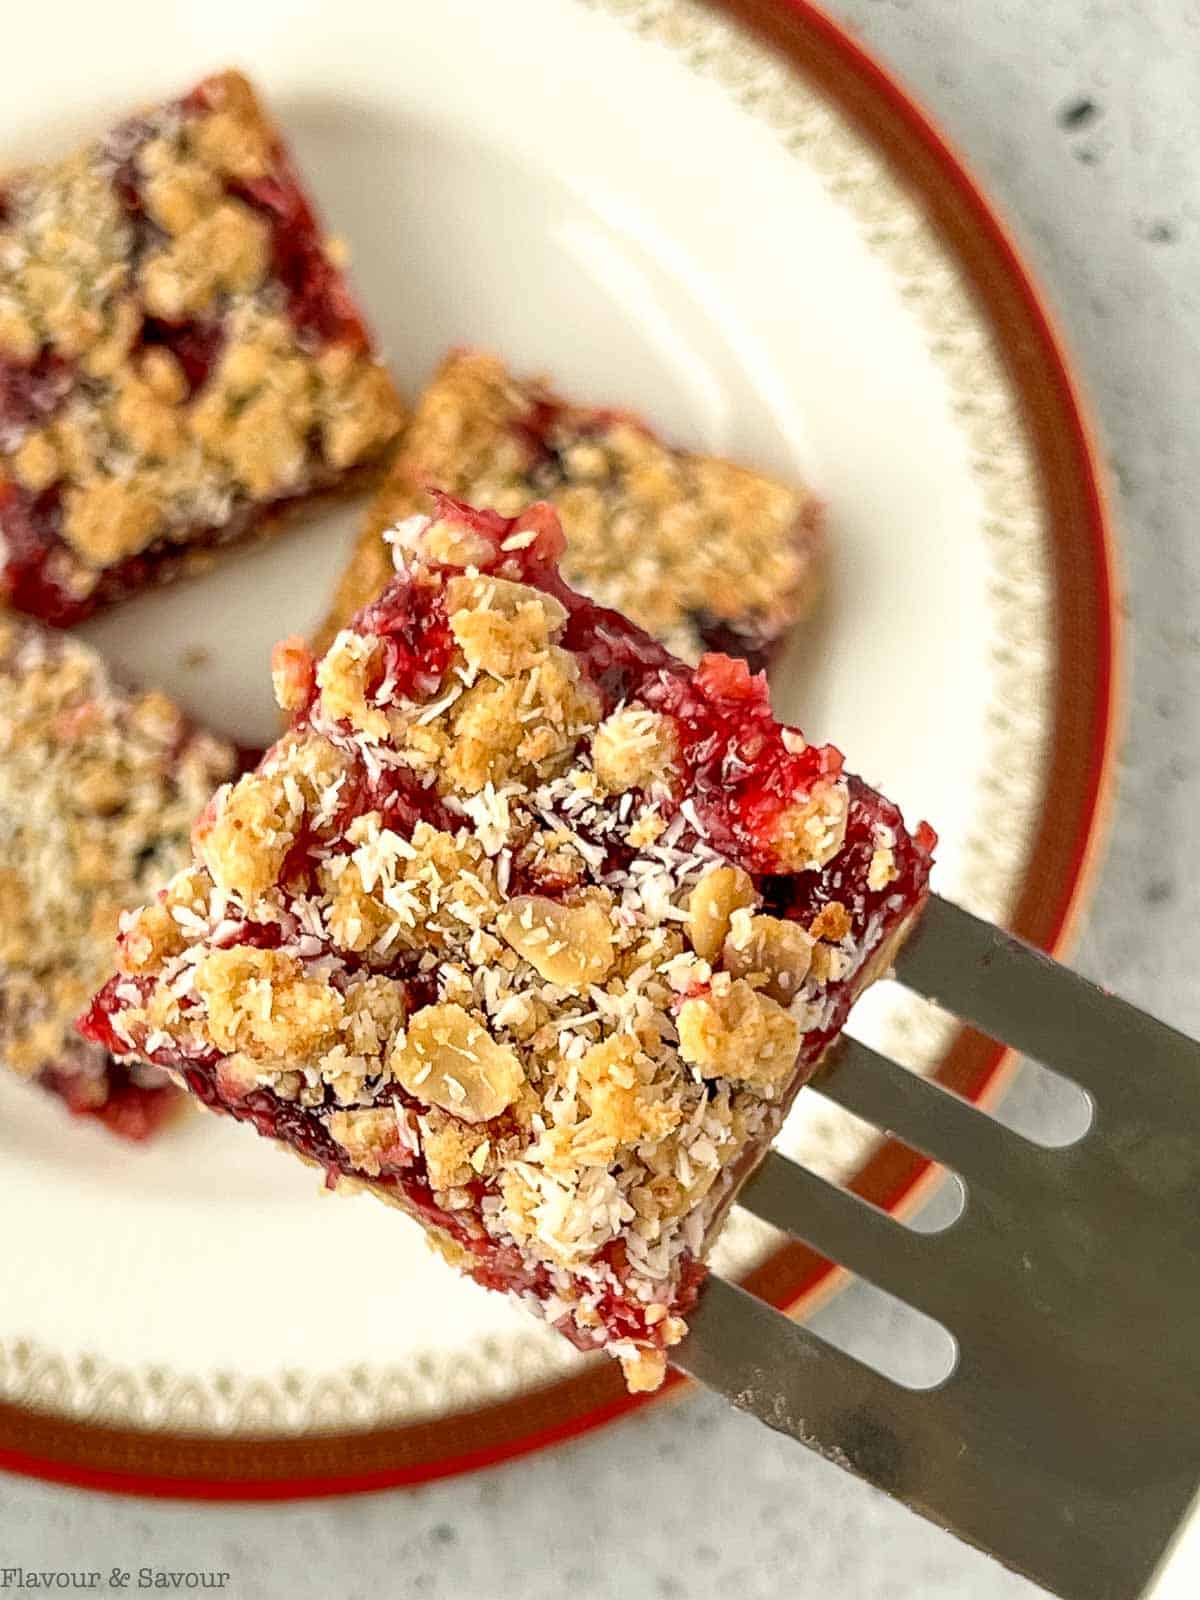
x: 1064, y: 854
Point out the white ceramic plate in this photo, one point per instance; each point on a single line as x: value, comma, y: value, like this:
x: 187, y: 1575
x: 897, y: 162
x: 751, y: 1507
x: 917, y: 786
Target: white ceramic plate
x: 646, y: 202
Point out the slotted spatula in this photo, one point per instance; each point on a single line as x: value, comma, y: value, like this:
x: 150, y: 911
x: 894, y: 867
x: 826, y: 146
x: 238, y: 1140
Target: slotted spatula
x: 1066, y: 1441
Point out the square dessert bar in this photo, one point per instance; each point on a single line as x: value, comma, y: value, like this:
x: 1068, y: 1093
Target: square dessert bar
x: 526, y: 926
x: 98, y: 790
x: 180, y: 356
x: 701, y: 553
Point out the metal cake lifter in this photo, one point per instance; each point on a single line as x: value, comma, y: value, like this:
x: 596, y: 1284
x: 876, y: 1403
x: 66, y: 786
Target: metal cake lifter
x: 1066, y: 1441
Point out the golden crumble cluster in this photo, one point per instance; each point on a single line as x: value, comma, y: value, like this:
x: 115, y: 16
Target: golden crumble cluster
x: 523, y: 925
x: 178, y: 347
x: 98, y: 790
x: 700, y: 552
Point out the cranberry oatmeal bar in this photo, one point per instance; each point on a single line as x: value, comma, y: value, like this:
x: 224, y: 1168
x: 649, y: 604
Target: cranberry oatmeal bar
x: 98, y: 790
x: 701, y: 553
x: 525, y: 926
x: 180, y: 356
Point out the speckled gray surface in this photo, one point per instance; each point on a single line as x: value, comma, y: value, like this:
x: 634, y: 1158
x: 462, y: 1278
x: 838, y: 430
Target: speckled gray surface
x: 1083, y: 118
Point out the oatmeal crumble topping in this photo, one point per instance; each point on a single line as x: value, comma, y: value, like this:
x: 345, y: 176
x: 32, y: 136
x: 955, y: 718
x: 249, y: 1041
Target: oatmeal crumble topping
x: 524, y: 925
x: 700, y: 552
x: 177, y: 351
x: 98, y: 789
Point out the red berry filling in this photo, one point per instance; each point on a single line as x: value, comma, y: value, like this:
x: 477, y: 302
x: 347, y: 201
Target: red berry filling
x: 570, y: 1020
x: 131, y: 1109
x: 551, y: 427
x: 219, y: 260
x: 30, y: 395
x: 35, y: 573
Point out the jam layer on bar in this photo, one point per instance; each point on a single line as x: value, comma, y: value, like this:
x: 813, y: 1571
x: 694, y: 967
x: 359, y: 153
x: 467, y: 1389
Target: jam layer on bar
x: 703, y: 554
x: 525, y: 925
x: 98, y: 790
x: 180, y: 357
x: 131, y: 1101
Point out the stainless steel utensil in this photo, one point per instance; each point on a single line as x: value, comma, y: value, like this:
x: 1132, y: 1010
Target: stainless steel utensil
x: 1066, y: 1441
